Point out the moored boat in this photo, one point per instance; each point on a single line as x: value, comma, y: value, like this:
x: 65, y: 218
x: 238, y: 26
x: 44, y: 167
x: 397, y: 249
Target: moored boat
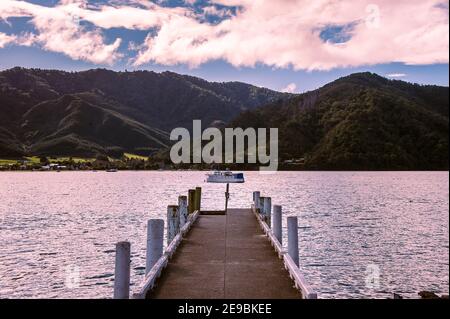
x: 225, y: 177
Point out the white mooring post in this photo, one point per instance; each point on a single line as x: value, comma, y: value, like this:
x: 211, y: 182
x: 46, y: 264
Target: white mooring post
x: 173, y: 222
x: 183, y: 207
x: 277, y: 223
x: 122, y: 271
x: 256, y: 196
x: 155, y: 239
x: 268, y: 210
x: 292, y: 224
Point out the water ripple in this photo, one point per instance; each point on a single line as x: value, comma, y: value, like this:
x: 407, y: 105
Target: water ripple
x: 59, y: 230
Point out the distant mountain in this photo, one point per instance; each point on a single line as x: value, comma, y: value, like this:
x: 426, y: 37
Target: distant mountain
x: 45, y: 112
x: 361, y: 122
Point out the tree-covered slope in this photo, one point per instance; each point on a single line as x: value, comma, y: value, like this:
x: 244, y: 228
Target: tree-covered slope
x: 45, y: 112
x: 362, y: 121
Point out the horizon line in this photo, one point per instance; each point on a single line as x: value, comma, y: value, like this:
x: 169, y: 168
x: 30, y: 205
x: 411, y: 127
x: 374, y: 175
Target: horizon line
x: 125, y: 70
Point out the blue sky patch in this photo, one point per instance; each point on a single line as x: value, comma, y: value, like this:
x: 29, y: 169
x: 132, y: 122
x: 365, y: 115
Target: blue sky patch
x: 337, y: 33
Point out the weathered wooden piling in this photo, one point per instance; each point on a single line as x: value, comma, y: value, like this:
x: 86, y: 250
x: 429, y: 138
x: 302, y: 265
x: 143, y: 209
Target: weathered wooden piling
x: 191, y: 201
x: 291, y: 257
x: 277, y: 223
x: 155, y: 239
x: 198, y: 198
x: 122, y: 271
x: 183, y: 207
x: 261, y: 205
x: 292, y: 223
x: 173, y: 222
x: 256, y: 196
x: 268, y: 210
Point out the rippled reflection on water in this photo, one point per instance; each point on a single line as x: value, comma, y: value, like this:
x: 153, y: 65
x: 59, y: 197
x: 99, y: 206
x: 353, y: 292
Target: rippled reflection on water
x: 58, y: 230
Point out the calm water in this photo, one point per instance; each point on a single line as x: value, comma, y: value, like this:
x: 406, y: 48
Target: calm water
x: 58, y: 230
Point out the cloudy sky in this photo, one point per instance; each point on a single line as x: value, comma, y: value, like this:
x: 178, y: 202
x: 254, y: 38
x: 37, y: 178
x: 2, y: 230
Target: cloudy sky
x: 289, y: 45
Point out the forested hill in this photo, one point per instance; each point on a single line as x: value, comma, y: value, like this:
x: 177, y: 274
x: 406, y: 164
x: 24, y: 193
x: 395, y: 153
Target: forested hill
x: 49, y: 112
x: 361, y: 122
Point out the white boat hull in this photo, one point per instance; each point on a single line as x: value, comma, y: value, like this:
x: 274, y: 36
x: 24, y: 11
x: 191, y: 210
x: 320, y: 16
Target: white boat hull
x: 225, y: 178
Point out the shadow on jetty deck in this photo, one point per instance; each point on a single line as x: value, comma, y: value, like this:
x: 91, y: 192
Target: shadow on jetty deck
x: 225, y: 256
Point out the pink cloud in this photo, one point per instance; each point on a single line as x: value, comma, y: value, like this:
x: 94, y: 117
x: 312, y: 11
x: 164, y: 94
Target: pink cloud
x: 6, y: 39
x: 214, y: 11
x: 59, y: 30
x: 282, y: 33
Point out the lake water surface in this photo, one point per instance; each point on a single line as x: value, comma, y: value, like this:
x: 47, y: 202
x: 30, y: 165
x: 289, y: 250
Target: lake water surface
x: 362, y: 234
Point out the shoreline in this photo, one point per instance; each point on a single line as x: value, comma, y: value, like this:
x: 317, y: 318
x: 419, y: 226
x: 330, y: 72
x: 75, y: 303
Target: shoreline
x: 209, y: 170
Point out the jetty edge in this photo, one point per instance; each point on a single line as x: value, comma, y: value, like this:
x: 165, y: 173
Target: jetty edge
x: 187, y: 226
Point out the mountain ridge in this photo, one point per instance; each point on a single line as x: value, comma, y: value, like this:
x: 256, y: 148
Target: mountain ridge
x: 361, y: 121
x: 357, y: 122
x: 142, y: 104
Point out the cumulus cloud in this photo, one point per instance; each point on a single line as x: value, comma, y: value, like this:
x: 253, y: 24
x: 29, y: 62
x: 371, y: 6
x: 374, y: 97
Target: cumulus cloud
x: 290, y: 88
x: 287, y: 33
x: 283, y: 33
x: 214, y: 11
x: 58, y: 30
x: 5, y: 39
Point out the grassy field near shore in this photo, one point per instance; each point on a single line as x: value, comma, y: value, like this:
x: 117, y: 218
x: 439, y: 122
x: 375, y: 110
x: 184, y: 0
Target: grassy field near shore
x: 36, y: 160
x: 7, y: 162
x: 54, y: 159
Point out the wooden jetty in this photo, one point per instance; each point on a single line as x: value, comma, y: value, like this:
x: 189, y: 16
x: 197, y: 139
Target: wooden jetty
x: 232, y: 254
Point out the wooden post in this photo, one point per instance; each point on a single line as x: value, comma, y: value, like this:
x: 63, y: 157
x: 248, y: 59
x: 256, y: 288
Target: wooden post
x: 261, y: 205
x: 198, y: 198
x: 277, y: 223
x: 155, y: 238
x: 268, y: 210
x: 122, y: 271
x: 227, y: 196
x: 256, y: 196
x: 292, y: 224
x: 183, y: 205
x: 173, y: 222
x: 191, y: 201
